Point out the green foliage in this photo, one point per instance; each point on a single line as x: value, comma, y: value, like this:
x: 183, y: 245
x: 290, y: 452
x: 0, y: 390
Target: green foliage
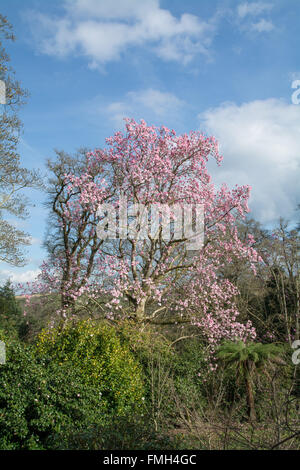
x: 51, y: 398
x: 11, y: 319
x: 156, y: 357
x: 248, y: 358
x: 40, y: 399
x: 171, y: 372
x: 102, y: 361
x: 119, y: 432
x: 76, y: 377
x: 189, y: 371
x: 240, y: 354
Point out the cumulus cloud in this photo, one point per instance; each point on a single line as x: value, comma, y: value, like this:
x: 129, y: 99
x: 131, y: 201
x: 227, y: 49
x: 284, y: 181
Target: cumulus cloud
x: 253, y: 9
x: 35, y: 241
x: 102, y: 31
x: 263, y: 26
x: 116, y: 9
x: 247, y: 11
x: 140, y: 103
x: 19, y: 277
x: 260, y: 141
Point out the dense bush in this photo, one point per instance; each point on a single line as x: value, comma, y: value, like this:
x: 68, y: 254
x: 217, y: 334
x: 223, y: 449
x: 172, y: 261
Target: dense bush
x: 70, y: 382
x: 172, y: 372
x: 39, y: 399
x: 11, y: 318
x: 95, y: 350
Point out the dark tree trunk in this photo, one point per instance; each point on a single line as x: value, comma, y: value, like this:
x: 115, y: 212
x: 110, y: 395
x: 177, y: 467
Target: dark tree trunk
x: 250, y: 394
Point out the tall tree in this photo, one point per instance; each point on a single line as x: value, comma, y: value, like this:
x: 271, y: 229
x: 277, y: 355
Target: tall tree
x: 153, y: 275
x: 72, y: 242
x: 284, y: 266
x: 13, y: 177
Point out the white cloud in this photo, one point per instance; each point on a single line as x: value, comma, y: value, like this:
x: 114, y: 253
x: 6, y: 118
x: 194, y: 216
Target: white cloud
x: 152, y: 102
x: 253, y: 9
x: 35, y: 241
x: 263, y: 26
x: 102, y: 31
x: 161, y: 103
x: 245, y: 13
x: 19, y: 277
x: 110, y: 10
x: 260, y: 141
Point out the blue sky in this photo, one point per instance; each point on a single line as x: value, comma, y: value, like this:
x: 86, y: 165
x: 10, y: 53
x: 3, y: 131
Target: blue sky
x: 222, y: 67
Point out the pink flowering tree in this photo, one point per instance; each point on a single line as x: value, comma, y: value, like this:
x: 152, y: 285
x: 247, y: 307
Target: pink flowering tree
x: 142, y: 273
x: 71, y: 241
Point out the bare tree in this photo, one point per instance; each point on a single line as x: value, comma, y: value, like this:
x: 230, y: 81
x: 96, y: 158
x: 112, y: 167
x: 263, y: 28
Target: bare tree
x: 74, y: 245
x: 13, y: 178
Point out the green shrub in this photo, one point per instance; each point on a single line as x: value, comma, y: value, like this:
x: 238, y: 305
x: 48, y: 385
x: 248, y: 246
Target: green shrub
x: 39, y: 399
x: 102, y: 361
x: 171, y: 372
x: 11, y: 319
x: 156, y: 357
x: 189, y: 370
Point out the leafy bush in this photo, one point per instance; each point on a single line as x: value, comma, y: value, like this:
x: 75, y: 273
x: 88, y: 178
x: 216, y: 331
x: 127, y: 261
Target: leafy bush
x: 11, y: 319
x: 39, y: 399
x: 102, y: 361
x: 74, y: 379
x: 190, y: 369
x: 171, y: 372
x: 156, y: 357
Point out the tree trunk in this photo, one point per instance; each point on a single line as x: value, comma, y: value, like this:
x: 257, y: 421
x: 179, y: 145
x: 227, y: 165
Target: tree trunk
x: 140, y: 310
x: 250, y: 395
x: 67, y: 304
